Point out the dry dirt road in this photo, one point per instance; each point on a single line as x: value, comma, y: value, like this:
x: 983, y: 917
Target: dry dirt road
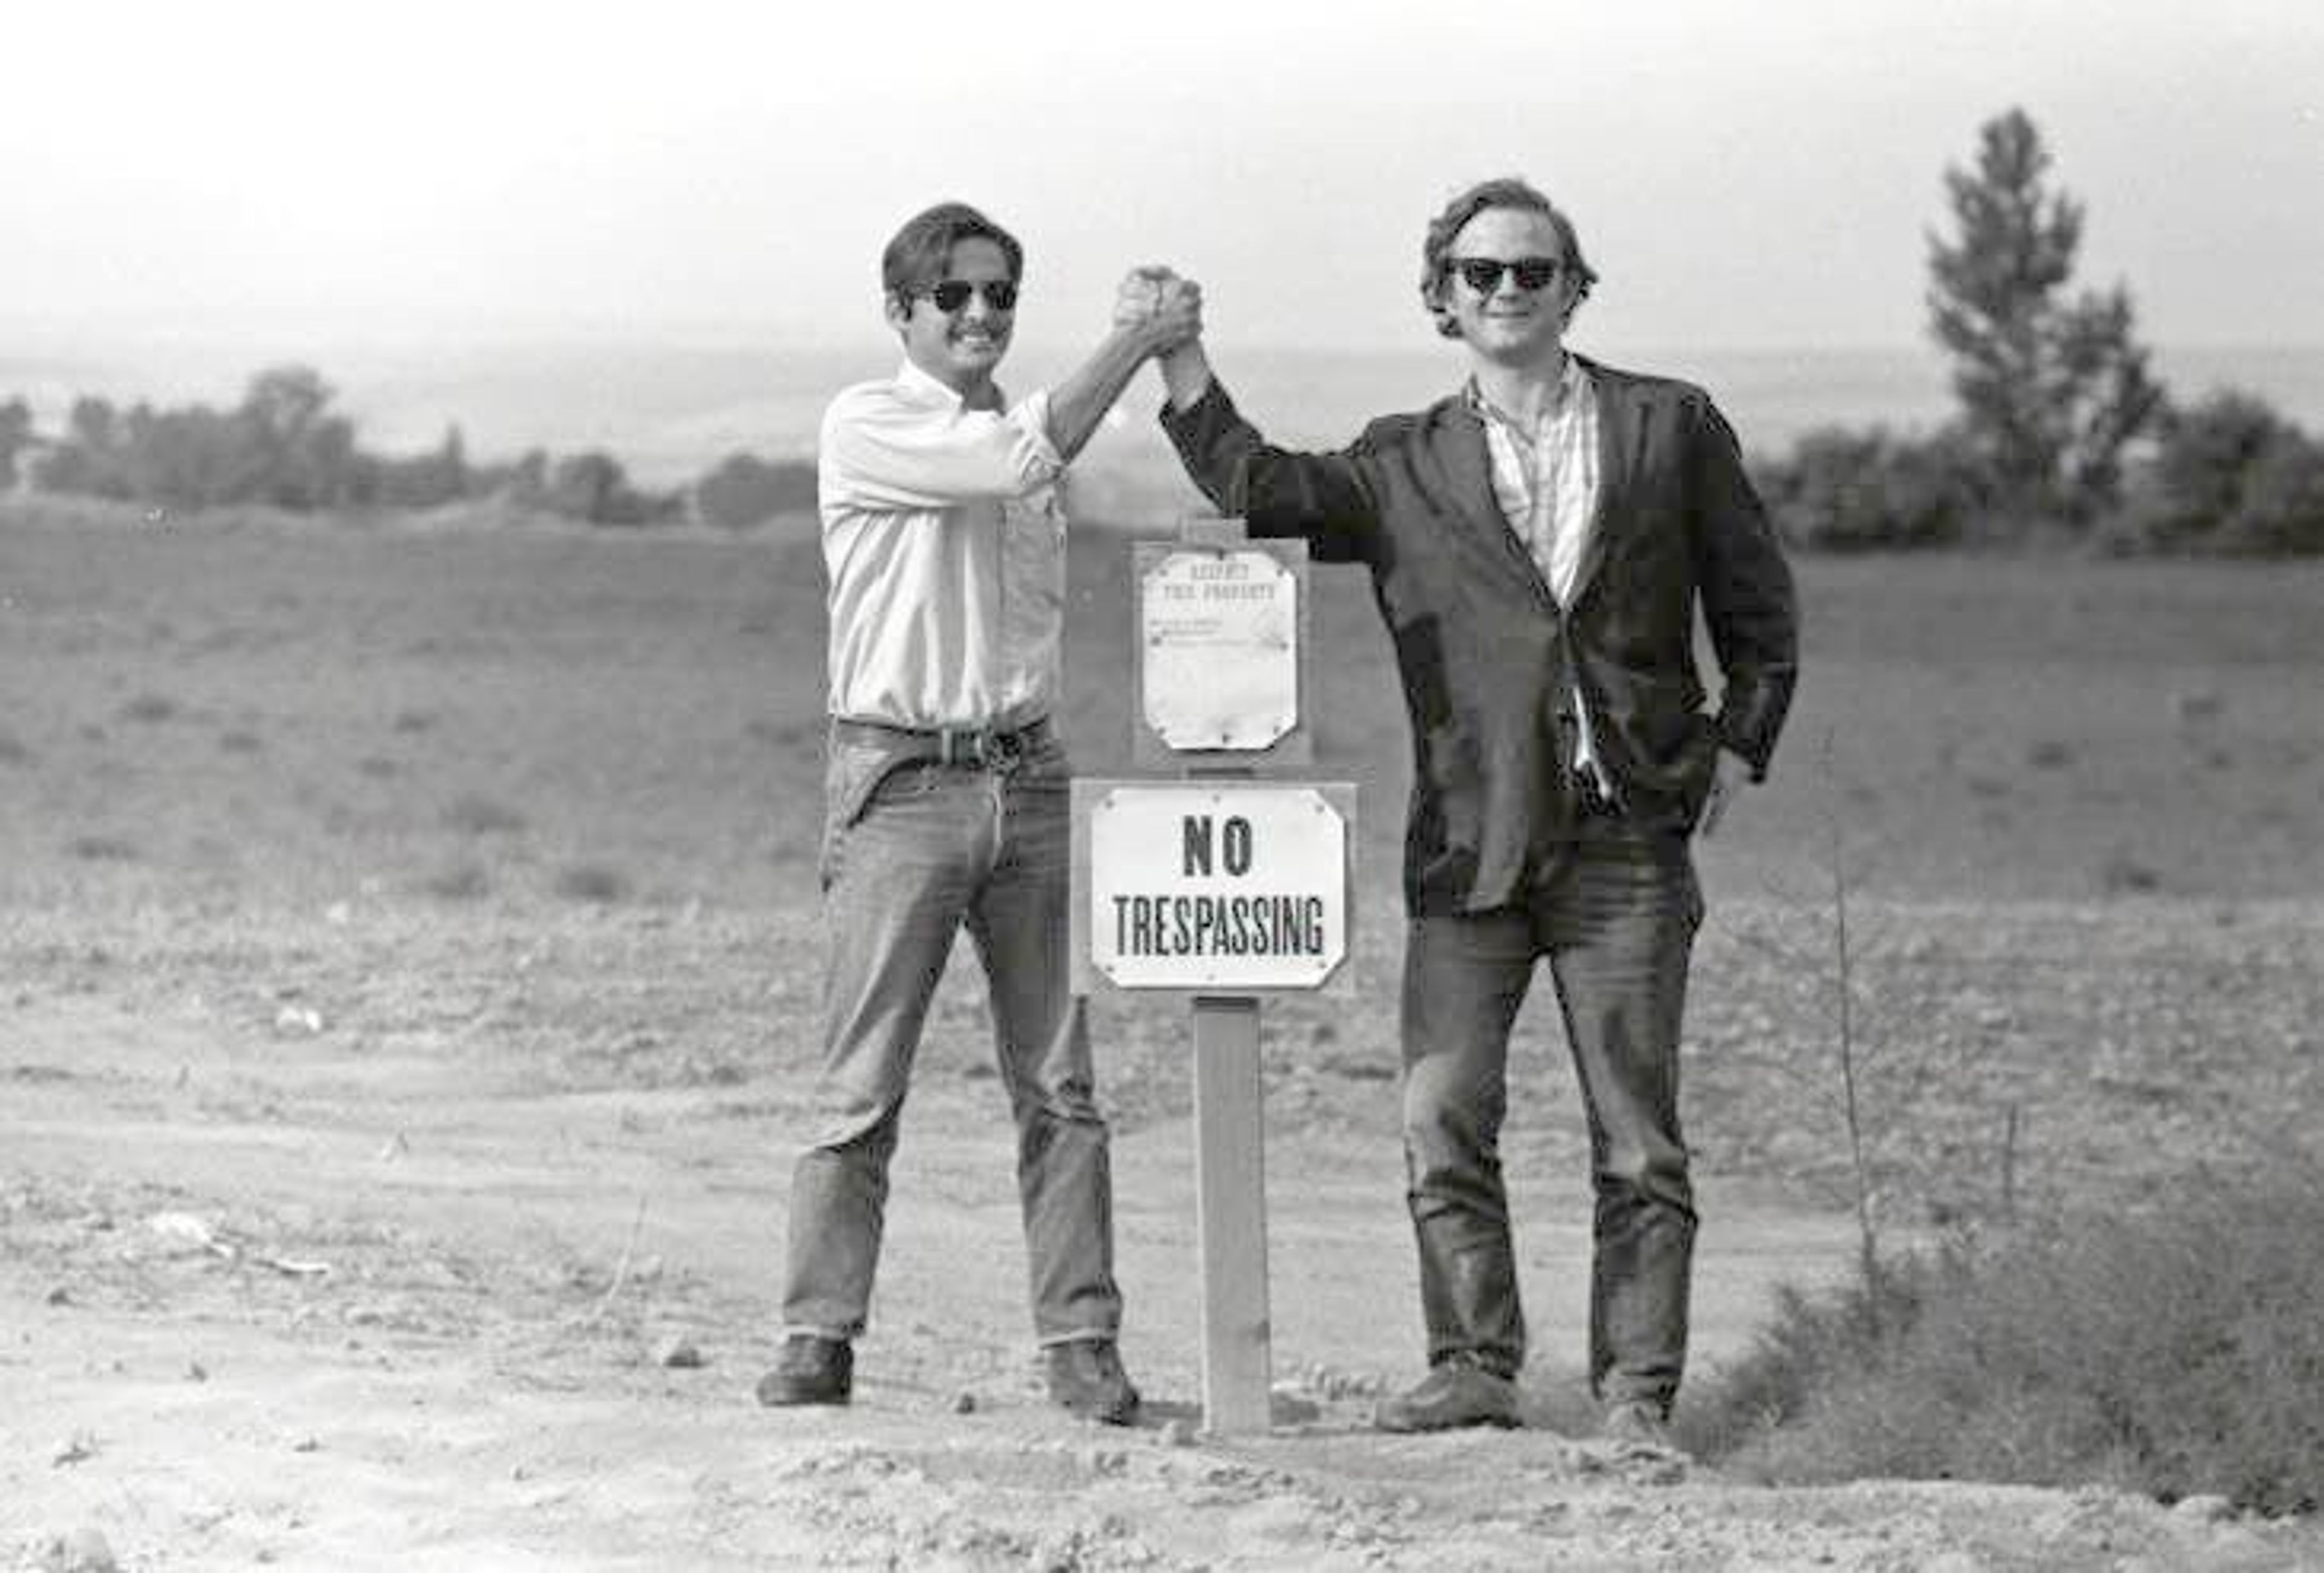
x: 359, y: 1270
x: 404, y: 997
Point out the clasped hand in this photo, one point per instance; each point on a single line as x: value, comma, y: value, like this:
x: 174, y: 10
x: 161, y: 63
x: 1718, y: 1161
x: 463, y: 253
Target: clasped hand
x: 1158, y: 301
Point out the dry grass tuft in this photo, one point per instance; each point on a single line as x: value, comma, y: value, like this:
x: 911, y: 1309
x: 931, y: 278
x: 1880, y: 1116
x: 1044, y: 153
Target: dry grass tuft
x: 150, y: 707
x: 2123, y: 873
x: 480, y: 815
x: 592, y: 882
x: 464, y: 880
x: 2176, y: 1353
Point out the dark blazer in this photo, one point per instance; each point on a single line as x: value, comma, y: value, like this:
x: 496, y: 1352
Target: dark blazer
x: 1489, y: 660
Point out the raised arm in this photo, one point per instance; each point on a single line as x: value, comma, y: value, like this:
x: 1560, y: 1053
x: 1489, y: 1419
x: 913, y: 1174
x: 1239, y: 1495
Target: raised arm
x: 1140, y: 330
x: 1323, y: 498
x: 1186, y: 373
x: 879, y: 451
x: 884, y: 451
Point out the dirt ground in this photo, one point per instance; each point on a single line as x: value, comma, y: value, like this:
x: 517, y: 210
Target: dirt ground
x: 402, y: 1037
x: 313, y: 1263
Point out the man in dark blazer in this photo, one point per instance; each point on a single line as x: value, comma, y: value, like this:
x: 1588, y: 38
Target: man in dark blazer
x: 1538, y: 543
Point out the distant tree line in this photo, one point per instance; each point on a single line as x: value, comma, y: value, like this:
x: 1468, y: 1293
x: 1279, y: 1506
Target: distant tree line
x: 2060, y: 430
x: 284, y: 447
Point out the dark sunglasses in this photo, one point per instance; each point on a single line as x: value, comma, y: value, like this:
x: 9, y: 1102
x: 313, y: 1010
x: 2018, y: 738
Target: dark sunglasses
x: 1484, y: 273
x: 999, y: 295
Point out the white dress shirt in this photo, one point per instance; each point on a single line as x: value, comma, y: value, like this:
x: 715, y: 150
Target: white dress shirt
x: 944, y: 540
x: 1546, y: 480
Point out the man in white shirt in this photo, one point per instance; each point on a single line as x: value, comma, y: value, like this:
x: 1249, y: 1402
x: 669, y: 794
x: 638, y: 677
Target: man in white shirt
x: 946, y: 800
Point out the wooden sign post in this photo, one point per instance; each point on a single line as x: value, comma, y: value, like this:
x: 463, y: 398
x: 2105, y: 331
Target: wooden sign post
x: 1221, y: 886
x: 1231, y: 1212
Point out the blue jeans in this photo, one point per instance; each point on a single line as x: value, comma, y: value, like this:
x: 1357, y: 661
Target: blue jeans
x: 1616, y: 920
x: 912, y: 853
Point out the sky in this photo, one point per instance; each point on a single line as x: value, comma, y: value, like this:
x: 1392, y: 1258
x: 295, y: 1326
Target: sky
x: 298, y: 176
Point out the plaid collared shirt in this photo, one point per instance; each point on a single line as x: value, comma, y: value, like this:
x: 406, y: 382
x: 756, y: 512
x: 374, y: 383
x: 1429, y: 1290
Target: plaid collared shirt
x: 1546, y: 480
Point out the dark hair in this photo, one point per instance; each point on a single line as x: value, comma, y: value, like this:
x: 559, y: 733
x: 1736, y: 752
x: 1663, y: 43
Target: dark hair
x: 1508, y: 191
x: 917, y: 256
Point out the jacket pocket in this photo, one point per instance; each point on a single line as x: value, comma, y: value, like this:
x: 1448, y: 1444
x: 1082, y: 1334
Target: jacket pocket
x: 1698, y: 768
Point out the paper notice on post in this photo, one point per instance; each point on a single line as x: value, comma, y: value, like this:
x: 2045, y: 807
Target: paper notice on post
x: 1219, y: 637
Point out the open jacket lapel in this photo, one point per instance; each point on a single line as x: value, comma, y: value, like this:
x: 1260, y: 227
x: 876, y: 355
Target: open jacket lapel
x: 1621, y: 432
x: 1468, y: 464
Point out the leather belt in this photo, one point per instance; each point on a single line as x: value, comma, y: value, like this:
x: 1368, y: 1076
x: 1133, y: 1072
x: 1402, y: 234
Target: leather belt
x: 982, y: 747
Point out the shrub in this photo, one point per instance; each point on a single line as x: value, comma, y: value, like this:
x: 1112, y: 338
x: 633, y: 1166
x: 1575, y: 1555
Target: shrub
x: 2280, y: 511
x: 1809, y: 1347
x: 593, y: 487
x: 15, y: 437
x: 2177, y: 1354
x: 2228, y: 476
x: 586, y: 486
x: 88, y: 460
x: 280, y: 446
x: 1843, y: 489
x: 420, y: 480
x: 2195, y: 478
x: 745, y: 491
x: 521, y: 483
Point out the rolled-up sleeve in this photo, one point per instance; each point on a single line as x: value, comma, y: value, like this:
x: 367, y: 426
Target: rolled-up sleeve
x: 882, y: 451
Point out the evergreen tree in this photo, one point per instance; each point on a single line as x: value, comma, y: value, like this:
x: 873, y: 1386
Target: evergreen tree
x: 2052, y: 390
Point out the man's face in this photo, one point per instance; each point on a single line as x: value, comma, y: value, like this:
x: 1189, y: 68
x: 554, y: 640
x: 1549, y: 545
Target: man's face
x: 960, y: 347
x: 1506, y: 322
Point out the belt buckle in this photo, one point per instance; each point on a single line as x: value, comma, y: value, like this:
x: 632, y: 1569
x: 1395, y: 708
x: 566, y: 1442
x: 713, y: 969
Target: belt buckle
x: 985, y: 747
x: 967, y: 747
